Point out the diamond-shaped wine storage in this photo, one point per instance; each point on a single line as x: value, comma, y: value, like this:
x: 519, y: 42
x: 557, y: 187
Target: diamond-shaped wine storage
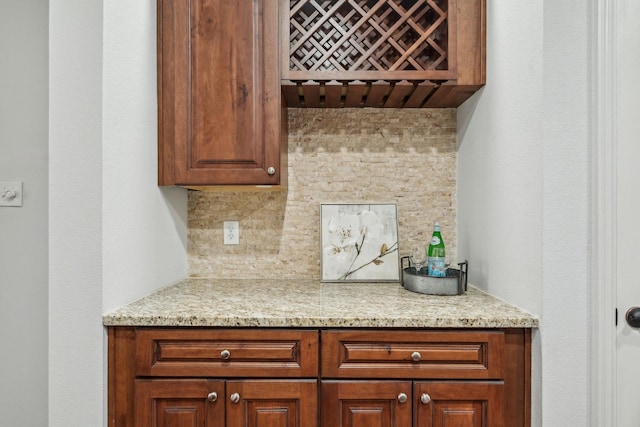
x: 378, y: 53
x: 368, y: 35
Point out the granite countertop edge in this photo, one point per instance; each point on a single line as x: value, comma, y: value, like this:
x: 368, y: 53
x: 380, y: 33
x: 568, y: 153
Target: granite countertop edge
x: 198, y: 302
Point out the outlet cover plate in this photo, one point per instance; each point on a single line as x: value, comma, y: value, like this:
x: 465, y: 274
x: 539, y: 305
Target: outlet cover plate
x: 231, y: 232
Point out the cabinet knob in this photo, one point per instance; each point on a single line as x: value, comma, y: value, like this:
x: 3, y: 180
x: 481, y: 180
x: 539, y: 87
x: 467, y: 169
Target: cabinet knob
x: 225, y: 354
x: 402, y: 398
x: 416, y: 356
x: 212, y: 397
x: 271, y: 170
x: 235, y: 397
x: 425, y: 398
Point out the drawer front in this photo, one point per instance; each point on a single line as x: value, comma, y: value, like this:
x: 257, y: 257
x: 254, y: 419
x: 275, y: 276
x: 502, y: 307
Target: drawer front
x: 226, y: 353
x: 409, y: 354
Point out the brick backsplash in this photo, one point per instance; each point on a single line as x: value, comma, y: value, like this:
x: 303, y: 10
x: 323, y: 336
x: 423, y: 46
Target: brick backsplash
x: 401, y: 156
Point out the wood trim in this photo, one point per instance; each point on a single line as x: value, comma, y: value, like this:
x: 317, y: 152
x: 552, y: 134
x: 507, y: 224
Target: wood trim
x: 527, y: 378
x: 111, y: 376
x: 517, y: 379
x: 121, y: 376
x: 471, y: 55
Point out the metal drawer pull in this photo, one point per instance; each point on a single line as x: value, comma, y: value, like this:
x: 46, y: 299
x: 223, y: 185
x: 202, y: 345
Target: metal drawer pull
x: 225, y: 354
x: 425, y: 398
x: 212, y: 397
x: 235, y: 397
x: 402, y: 398
x: 416, y: 356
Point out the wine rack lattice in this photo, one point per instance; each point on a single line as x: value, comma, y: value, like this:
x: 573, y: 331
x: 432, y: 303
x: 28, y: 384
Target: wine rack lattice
x: 368, y: 35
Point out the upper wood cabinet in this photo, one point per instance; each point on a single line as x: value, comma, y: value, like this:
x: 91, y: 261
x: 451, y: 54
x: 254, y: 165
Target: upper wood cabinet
x: 227, y: 70
x: 382, y: 53
x: 219, y: 98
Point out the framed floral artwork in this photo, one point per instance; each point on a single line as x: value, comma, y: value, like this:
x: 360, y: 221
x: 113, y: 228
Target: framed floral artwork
x: 359, y: 243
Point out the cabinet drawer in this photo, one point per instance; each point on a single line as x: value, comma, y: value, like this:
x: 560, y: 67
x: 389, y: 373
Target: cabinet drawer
x: 409, y: 354
x: 226, y: 352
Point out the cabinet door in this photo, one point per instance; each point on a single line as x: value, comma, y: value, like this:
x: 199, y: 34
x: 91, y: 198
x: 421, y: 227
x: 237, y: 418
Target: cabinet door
x: 179, y: 403
x: 366, y: 403
x: 459, y: 404
x: 219, y: 93
x: 271, y: 403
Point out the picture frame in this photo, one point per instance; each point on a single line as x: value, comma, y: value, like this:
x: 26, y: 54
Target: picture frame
x: 359, y: 243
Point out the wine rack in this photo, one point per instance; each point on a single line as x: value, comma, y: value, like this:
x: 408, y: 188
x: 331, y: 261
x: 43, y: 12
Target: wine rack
x: 372, y: 53
x: 368, y: 35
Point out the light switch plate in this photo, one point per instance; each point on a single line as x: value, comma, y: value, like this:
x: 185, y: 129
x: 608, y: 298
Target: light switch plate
x: 10, y: 193
x: 231, y: 232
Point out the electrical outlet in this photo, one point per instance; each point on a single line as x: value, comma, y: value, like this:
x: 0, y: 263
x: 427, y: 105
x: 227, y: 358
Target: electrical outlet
x: 231, y: 232
x: 11, y: 193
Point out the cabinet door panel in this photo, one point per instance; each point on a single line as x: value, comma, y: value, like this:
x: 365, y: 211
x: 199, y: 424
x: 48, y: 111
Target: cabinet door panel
x: 219, y: 94
x: 183, y: 403
x: 366, y: 404
x: 272, y: 403
x: 459, y: 404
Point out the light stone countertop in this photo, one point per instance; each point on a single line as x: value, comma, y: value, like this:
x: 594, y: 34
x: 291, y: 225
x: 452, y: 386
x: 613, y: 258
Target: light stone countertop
x: 295, y: 303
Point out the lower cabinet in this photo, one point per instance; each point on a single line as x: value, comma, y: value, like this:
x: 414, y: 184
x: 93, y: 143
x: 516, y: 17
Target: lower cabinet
x: 459, y: 403
x: 366, y: 403
x: 334, y: 377
x: 444, y: 378
x: 407, y: 404
x: 179, y: 403
x: 219, y: 403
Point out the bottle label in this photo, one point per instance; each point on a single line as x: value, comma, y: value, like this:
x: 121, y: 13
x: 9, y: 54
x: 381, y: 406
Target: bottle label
x: 435, y: 240
x: 437, y: 267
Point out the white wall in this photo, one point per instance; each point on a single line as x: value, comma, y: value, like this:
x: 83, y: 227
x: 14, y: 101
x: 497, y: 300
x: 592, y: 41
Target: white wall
x: 114, y: 236
x: 75, y: 213
x: 523, y: 188
x: 23, y: 231
x: 144, y: 226
x: 500, y: 131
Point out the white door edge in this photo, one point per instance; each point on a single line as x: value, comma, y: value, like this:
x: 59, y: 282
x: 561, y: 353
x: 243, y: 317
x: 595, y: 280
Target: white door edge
x: 603, y: 254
